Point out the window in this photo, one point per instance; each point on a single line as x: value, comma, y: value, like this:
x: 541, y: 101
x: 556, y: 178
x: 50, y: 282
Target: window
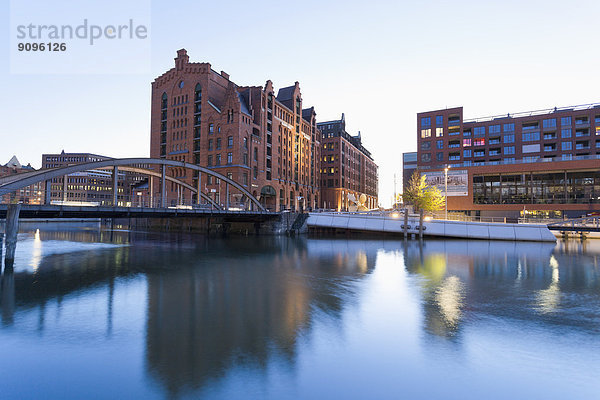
x: 531, y: 126
x: 439, y: 120
x: 425, y: 145
x: 218, y: 143
x: 509, y: 127
x: 551, y: 135
x: 255, y: 172
x: 549, y: 123
x: 567, y: 146
x: 453, y: 144
x: 531, y: 136
x: 566, y: 157
x: 425, y: 121
x: 550, y: 147
x: 439, y: 156
x: 530, y: 159
x: 218, y: 160
x: 479, y: 142
x: 466, y: 142
x: 509, y: 138
x: 494, y: 129
x: 211, y: 129
x: 597, y: 130
x: 466, y: 153
x: 581, y: 120
x: 439, y: 144
x: 509, y: 150
x: 531, y: 148
x: 582, y: 132
x: 245, y: 179
x: 210, y: 160
x: 230, y: 141
x: 210, y: 144
x: 466, y: 133
x: 479, y: 131
x: 439, y: 132
x: 426, y: 157
x: 425, y: 133
x: 256, y: 154
x: 454, y: 131
x: 229, y: 158
x: 453, y: 120
x: 479, y: 153
x: 565, y: 133
x: 494, y: 140
x: 246, y: 143
x: 565, y: 121
x: 454, y: 157
x: 494, y: 152
x: 245, y: 158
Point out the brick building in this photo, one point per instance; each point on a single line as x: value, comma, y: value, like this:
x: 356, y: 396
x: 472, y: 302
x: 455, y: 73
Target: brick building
x: 347, y: 168
x: 33, y: 194
x: 541, y: 163
x: 265, y: 141
x: 94, y: 187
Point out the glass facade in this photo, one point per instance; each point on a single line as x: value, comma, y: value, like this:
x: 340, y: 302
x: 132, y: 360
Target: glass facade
x: 571, y: 187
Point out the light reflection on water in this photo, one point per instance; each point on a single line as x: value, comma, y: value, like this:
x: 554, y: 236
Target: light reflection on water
x: 185, y: 316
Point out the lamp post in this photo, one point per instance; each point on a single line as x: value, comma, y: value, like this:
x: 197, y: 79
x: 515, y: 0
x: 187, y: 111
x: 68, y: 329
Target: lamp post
x: 446, y: 190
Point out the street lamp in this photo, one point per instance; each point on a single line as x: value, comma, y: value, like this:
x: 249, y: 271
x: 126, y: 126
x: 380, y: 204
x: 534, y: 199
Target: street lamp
x: 446, y: 190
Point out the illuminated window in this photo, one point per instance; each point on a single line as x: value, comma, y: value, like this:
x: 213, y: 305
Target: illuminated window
x: 439, y: 132
x: 466, y: 142
x: 426, y: 133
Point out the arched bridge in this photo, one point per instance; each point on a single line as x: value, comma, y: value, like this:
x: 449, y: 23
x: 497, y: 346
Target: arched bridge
x: 12, y: 183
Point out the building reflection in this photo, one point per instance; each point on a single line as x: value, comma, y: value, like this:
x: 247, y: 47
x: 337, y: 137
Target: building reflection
x: 202, y: 321
x: 211, y: 303
x: 502, y: 279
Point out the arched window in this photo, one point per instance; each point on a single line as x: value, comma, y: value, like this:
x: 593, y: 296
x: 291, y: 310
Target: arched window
x: 164, y: 101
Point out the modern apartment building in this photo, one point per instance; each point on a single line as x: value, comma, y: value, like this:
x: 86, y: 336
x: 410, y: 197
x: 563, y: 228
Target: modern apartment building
x: 33, y: 194
x: 263, y: 139
x: 347, y: 168
x: 544, y: 162
x: 93, y: 187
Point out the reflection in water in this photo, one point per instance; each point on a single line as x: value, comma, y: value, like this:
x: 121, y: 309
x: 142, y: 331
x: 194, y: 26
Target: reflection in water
x: 36, y: 255
x: 214, y: 306
x: 204, y: 320
x: 549, y: 299
x: 515, y: 280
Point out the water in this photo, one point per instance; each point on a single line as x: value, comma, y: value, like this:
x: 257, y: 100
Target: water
x: 95, y: 314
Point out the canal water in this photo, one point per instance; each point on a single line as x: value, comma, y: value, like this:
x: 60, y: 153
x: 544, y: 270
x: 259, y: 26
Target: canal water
x: 98, y: 314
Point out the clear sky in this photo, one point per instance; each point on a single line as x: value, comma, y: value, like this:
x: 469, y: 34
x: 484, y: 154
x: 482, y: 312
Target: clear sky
x: 379, y: 62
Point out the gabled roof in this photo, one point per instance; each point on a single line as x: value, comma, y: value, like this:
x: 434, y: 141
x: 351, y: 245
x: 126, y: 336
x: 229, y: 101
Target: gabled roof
x: 13, y: 163
x: 286, y: 93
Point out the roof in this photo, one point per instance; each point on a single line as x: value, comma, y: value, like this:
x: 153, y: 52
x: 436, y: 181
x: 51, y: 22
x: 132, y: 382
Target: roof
x: 13, y: 163
x: 243, y: 105
x: 286, y: 93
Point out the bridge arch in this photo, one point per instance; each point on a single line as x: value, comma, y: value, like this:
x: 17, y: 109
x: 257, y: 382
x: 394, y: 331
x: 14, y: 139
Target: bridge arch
x: 15, y: 182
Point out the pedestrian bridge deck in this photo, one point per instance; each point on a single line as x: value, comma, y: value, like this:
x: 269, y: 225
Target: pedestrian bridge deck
x: 393, y: 223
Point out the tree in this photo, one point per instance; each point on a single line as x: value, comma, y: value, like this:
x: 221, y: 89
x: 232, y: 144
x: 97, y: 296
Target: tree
x: 422, y: 196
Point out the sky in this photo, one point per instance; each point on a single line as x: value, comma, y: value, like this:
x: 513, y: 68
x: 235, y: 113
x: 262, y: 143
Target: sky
x: 379, y: 62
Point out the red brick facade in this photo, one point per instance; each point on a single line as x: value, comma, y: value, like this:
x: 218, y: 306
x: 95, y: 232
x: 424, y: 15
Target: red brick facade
x: 347, y: 168
x: 265, y: 141
x: 542, y: 163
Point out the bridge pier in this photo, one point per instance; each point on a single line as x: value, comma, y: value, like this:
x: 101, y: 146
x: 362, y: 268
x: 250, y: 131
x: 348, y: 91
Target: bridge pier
x: 11, y: 231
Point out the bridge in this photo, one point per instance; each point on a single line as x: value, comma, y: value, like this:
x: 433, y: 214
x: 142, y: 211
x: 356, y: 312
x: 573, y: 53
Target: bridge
x: 200, y: 212
x: 577, y: 225
x: 141, y: 166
